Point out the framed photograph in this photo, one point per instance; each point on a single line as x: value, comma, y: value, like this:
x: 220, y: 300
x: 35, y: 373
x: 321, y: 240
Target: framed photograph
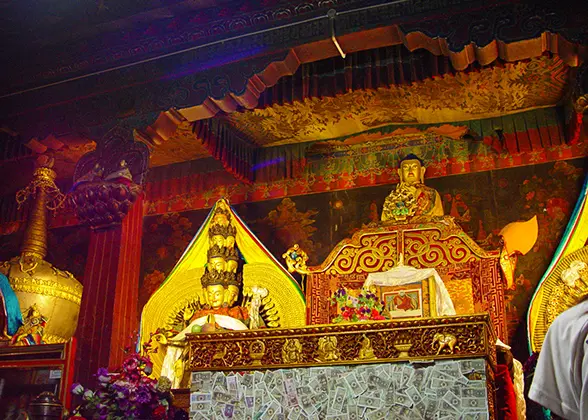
x: 415, y: 300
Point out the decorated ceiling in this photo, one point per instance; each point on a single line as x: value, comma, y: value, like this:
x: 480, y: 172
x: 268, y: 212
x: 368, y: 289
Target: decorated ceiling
x: 490, y: 92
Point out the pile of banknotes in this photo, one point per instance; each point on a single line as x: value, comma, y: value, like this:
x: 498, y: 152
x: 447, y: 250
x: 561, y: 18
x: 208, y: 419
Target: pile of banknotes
x: 438, y: 390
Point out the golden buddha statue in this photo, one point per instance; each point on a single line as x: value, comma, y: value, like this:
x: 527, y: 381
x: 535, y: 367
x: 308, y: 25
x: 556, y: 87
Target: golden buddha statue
x: 411, y: 197
x: 222, y: 284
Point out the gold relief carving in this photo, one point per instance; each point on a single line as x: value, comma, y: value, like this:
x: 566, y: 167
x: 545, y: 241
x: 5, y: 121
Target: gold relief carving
x: 372, y: 254
x: 220, y: 354
x: 47, y: 288
x: 327, y: 349
x: 364, y: 342
x: 467, y: 95
x: 366, y: 351
x: 403, y: 343
x: 428, y: 249
x: 256, y: 352
x: 378, y: 249
x: 292, y: 351
x: 444, y: 341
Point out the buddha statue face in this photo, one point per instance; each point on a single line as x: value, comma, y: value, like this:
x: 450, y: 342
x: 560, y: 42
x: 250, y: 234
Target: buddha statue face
x: 231, y: 295
x: 218, y: 240
x: 215, y: 295
x: 229, y: 242
x: 217, y: 264
x: 220, y: 219
x: 411, y: 172
x: 232, y: 265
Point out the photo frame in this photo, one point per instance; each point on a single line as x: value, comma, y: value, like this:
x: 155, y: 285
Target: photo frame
x: 414, y: 300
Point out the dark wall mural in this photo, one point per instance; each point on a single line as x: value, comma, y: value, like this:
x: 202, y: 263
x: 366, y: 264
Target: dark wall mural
x: 483, y: 203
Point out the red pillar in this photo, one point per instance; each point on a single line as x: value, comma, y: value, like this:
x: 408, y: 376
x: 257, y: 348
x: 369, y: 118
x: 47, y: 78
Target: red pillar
x: 108, y: 315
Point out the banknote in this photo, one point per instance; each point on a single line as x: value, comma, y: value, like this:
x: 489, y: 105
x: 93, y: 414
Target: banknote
x: 202, y: 406
x: 474, y: 416
x: 271, y: 412
x: 221, y: 396
x: 403, y: 399
x: 414, y: 394
x: 474, y: 403
x: 386, y: 390
x: 338, y: 400
x: 228, y: 411
x: 370, y: 402
x: 200, y: 396
x: 473, y: 392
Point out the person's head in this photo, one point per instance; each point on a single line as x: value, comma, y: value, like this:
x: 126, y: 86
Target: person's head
x: 411, y: 170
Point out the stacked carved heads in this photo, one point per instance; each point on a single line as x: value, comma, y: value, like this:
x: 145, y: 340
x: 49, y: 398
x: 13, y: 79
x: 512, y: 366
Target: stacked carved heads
x: 223, y: 277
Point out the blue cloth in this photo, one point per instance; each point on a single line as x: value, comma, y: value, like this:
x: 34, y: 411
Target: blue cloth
x: 11, y: 306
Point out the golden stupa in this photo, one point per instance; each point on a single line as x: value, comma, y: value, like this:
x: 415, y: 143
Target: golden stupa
x: 43, y: 291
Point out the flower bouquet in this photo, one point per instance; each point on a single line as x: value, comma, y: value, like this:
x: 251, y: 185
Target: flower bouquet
x: 363, y: 307
x: 127, y: 394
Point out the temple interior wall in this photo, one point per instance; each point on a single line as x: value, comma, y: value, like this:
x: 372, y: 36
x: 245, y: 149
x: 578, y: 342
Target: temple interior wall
x: 483, y: 202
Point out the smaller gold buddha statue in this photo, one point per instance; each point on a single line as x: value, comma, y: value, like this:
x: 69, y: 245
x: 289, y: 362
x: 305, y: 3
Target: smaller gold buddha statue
x: 232, y: 259
x: 222, y: 235
x: 216, y: 259
x: 411, y: 197
x: 221, y: 217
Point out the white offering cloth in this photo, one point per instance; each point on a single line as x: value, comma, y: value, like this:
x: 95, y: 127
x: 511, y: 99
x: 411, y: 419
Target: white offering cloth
x: 407, y: 275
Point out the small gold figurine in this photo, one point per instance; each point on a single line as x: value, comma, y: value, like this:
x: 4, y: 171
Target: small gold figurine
x: 366, y: 351
x: 327, y: 349
x: 292, y: 351
x: 296, y: 259
x: 444, y: 341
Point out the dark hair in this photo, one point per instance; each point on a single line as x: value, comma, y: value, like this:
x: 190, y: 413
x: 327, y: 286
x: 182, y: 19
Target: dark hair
x: 412, y: 156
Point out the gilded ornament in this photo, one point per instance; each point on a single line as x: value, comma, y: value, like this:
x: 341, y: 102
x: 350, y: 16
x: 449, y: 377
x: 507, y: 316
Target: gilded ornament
x: 256, y: 352
x: 403, y: 344
x: 220, y: 354
x: 327, y: 349
x: 366, y: 351
x: 296, y: 259
x: 443, y: 341
x: 411, y: 197
x: 32, y: 330
x: 54, y: 295
x: 563, y: 287
x: 292, y: 351
x: 389, y: 340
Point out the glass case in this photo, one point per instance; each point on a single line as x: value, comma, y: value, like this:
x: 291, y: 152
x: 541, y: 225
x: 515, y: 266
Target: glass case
x: 25, y: 372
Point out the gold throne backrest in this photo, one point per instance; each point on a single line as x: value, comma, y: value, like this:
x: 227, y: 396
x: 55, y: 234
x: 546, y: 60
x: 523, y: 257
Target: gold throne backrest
x: 554, y: 296
x: 470, y: 273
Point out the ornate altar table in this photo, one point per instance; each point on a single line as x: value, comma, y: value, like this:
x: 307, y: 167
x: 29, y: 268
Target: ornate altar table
x: 359, y: 370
